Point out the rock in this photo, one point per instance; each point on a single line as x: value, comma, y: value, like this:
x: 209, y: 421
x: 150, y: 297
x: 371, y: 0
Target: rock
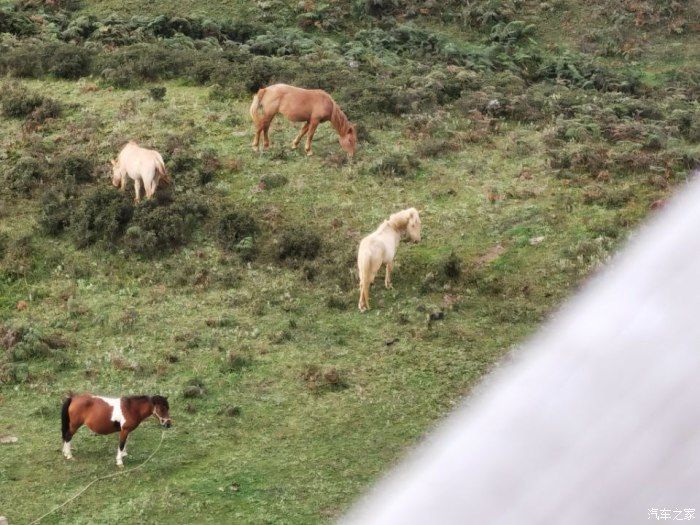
x: 6, y: 440
x: 536, y: 240
x: 391, y: 341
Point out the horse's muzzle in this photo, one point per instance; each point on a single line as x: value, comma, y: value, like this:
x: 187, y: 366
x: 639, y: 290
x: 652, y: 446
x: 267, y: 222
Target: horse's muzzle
x: 168, y: 423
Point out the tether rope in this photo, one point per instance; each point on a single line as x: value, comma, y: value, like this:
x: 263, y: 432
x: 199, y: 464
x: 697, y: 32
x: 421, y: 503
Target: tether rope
x: 113, y: 475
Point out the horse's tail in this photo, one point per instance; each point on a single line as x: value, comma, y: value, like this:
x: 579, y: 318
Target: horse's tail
x: 255, y: 106
x: 65, y: 419
x: 162, y: 172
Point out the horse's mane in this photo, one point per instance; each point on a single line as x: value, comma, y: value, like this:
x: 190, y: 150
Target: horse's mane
x: 152, y: 399
x: 339, y: 121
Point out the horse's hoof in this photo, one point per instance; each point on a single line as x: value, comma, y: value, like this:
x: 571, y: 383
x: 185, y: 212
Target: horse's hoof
x: 120, y: 465
x: 309, y: 153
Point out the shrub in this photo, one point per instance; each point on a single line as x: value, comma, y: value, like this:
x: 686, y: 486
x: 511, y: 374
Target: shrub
x: 395, y: 165
x: 21, y: 253
x: 434, y: 147
x: 234, y: 227
x: 157, y: 93
x: 55, y: 213
x: 23, y: 61
x: 193, y: 388
x: 18, y: 102
x: 320, y: 380
x: 16, y: 23
x: 68, y: 61
x: 26, y: 174
x: 273, y: 180
x: 451, y: 267
x: 299, y: 243
x: 101, y: 217
x: 234, y: 362
x: 75, y: 168
x: 48, y: 109
x: 156, y: 227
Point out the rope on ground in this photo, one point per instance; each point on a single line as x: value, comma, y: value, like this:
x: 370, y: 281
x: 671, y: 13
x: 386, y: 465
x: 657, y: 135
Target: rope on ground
x: 114, y: 475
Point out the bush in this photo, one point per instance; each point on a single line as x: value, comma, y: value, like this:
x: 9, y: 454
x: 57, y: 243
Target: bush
x: 193, y: 388
x: 157, y: 227
x: 434, y: 147
x: 21, y: 253
x: 451, y: 267
x: 26, y: 174
x: 395, y: 165
x: 157, y: 93
x: 234, y: 227
x: 48, y: 109
x: 55, y: 213
x: 298, y: 243
x: 18, y: 102
x: 23, y: 61
x: 68, y: 61
x: 75, y: 168
x: 101, y: 217
x: 234, y: 362
x: 273, y: 180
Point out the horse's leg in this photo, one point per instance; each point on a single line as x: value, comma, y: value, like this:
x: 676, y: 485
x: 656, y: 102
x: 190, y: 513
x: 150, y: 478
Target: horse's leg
x: 72, y: 429
x: 266, y: 128
x: 137, y: 189
x: 150, y: 187
x: 299, y: 136
x: 313, y: 124
x: 256, y: 138
x: 387, y: 276
x: 121, y: 451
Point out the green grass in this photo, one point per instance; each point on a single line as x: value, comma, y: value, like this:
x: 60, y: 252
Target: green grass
x: 297, y: 455
x: 297, y: 452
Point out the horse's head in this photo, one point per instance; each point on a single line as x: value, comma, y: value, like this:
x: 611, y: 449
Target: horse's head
x: 161, y: 410
x: 116, y: 173
x: 348, y: 141
x: 413, y: 226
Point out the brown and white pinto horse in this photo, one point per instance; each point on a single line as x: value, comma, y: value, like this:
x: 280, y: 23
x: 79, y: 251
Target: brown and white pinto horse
x: 106, y: 415
x: 311, y: 106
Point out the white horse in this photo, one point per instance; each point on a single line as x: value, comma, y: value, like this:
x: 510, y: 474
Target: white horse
x: 379, y: 247
x: 143, y: 165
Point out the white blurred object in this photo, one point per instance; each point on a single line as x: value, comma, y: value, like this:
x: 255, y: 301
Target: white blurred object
x: 596, y: 420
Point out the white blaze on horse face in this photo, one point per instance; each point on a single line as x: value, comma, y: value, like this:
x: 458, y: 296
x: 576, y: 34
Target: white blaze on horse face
x: 116, y: 404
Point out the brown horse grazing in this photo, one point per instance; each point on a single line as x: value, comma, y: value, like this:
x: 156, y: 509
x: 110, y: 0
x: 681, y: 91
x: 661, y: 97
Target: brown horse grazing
x: 106, y: 415
x: 311, y: 106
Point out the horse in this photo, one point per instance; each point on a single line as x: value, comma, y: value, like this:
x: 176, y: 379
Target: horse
x: 106, y: 415
x: 142, y: 165
x: 311, y: 106
x: 379, y: 247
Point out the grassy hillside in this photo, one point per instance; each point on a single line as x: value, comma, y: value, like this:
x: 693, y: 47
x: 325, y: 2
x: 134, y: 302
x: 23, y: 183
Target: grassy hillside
x: 531, y: 140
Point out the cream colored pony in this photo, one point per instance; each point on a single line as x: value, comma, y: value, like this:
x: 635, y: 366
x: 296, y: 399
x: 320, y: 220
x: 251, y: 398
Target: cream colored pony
x: 379, y: 247
x: 144, y: 166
